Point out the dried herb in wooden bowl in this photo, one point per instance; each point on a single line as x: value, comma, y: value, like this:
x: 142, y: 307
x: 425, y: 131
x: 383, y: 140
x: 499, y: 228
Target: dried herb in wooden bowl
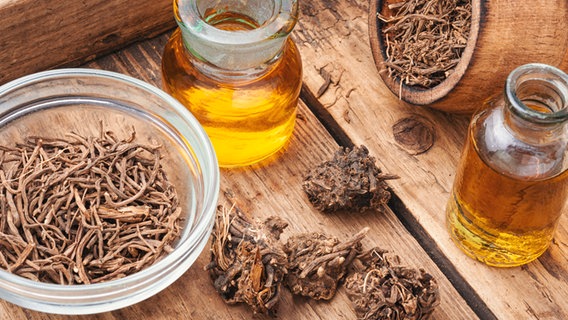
x: 81, y: 210
x: 350, y: 181
x: 424, y: 39
x: 380, y: 288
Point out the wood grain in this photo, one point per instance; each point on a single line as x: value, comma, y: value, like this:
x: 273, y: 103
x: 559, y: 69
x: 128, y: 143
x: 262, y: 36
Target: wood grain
x: 270, y: 188
x: 333, y: 36
x: 38, y: 35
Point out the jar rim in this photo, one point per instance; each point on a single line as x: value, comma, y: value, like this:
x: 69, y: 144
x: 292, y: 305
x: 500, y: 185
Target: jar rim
x: 544, y: 73
x: 280, y: 24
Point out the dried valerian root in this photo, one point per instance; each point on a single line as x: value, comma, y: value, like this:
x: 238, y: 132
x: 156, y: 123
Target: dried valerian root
x: 351, y: 180
x: 382, y: 289
x: 318, y: 262
x: 425, y: 39
x: 247, y: 264
x: 81, y: 210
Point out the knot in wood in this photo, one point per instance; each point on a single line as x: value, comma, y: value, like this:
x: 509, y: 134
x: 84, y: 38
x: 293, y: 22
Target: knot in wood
x: 414, y: 135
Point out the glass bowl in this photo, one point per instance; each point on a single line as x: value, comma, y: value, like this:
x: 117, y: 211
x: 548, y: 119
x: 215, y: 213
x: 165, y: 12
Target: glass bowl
x: 57, y: 102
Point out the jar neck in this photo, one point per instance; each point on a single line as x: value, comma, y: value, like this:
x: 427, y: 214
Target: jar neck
x: 536, y: 103
x: 235, y: 35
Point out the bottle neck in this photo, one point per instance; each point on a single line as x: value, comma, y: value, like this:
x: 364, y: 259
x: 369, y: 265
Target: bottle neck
x: 536, y: 104
x: 236, y: 36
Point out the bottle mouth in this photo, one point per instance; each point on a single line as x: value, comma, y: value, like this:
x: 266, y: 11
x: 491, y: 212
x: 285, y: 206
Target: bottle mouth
x: 538, y: 93
x: 236, y: 49
x: 276, y: 18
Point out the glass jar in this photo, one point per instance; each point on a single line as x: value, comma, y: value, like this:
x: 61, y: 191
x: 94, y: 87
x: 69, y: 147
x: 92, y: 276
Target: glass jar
x: 234, y: 66
x: 512, y: 182
x: 59, y: 102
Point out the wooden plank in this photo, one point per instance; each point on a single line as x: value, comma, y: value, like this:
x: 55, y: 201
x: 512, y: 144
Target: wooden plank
x: 37, y: 35
x: 271, y: 188
x: 333, y: 38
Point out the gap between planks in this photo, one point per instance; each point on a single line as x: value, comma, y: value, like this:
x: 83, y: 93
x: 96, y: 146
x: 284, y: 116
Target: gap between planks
x: 403, y: 214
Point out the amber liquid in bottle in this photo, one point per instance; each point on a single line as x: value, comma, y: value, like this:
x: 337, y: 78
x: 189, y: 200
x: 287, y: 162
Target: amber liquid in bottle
x: 248, y: 118
x: 501, y: 220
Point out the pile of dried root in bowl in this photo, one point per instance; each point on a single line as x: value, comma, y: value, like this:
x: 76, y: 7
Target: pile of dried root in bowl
x: 81, y: 210
x: 424, y: 39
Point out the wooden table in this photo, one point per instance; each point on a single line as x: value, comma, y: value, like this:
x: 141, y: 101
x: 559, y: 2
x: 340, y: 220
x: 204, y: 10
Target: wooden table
x: 344, y: 103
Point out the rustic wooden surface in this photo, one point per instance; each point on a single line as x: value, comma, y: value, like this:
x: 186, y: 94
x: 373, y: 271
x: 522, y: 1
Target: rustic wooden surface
x: 35, y: 35
x: 260, y: 192
x: 345, y: 102
x: 366, y: 111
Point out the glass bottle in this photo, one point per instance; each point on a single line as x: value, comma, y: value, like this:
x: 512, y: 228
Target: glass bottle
x: 512, y: 181
x: 234, y: 66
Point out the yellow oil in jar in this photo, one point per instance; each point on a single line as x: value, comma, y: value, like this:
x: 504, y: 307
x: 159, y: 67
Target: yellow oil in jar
x: 500, y: 220
x: 248, y: 118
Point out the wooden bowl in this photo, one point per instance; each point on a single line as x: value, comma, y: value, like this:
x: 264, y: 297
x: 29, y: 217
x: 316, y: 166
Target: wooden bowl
x: 504, y: 35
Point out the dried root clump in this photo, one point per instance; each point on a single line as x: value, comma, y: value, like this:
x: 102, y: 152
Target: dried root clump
x: 80, y: 210
x: 318, y: 262
x: 247, y: 264
x: 425, y: 39
x: 382, y: 289
x: 351, y: 180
